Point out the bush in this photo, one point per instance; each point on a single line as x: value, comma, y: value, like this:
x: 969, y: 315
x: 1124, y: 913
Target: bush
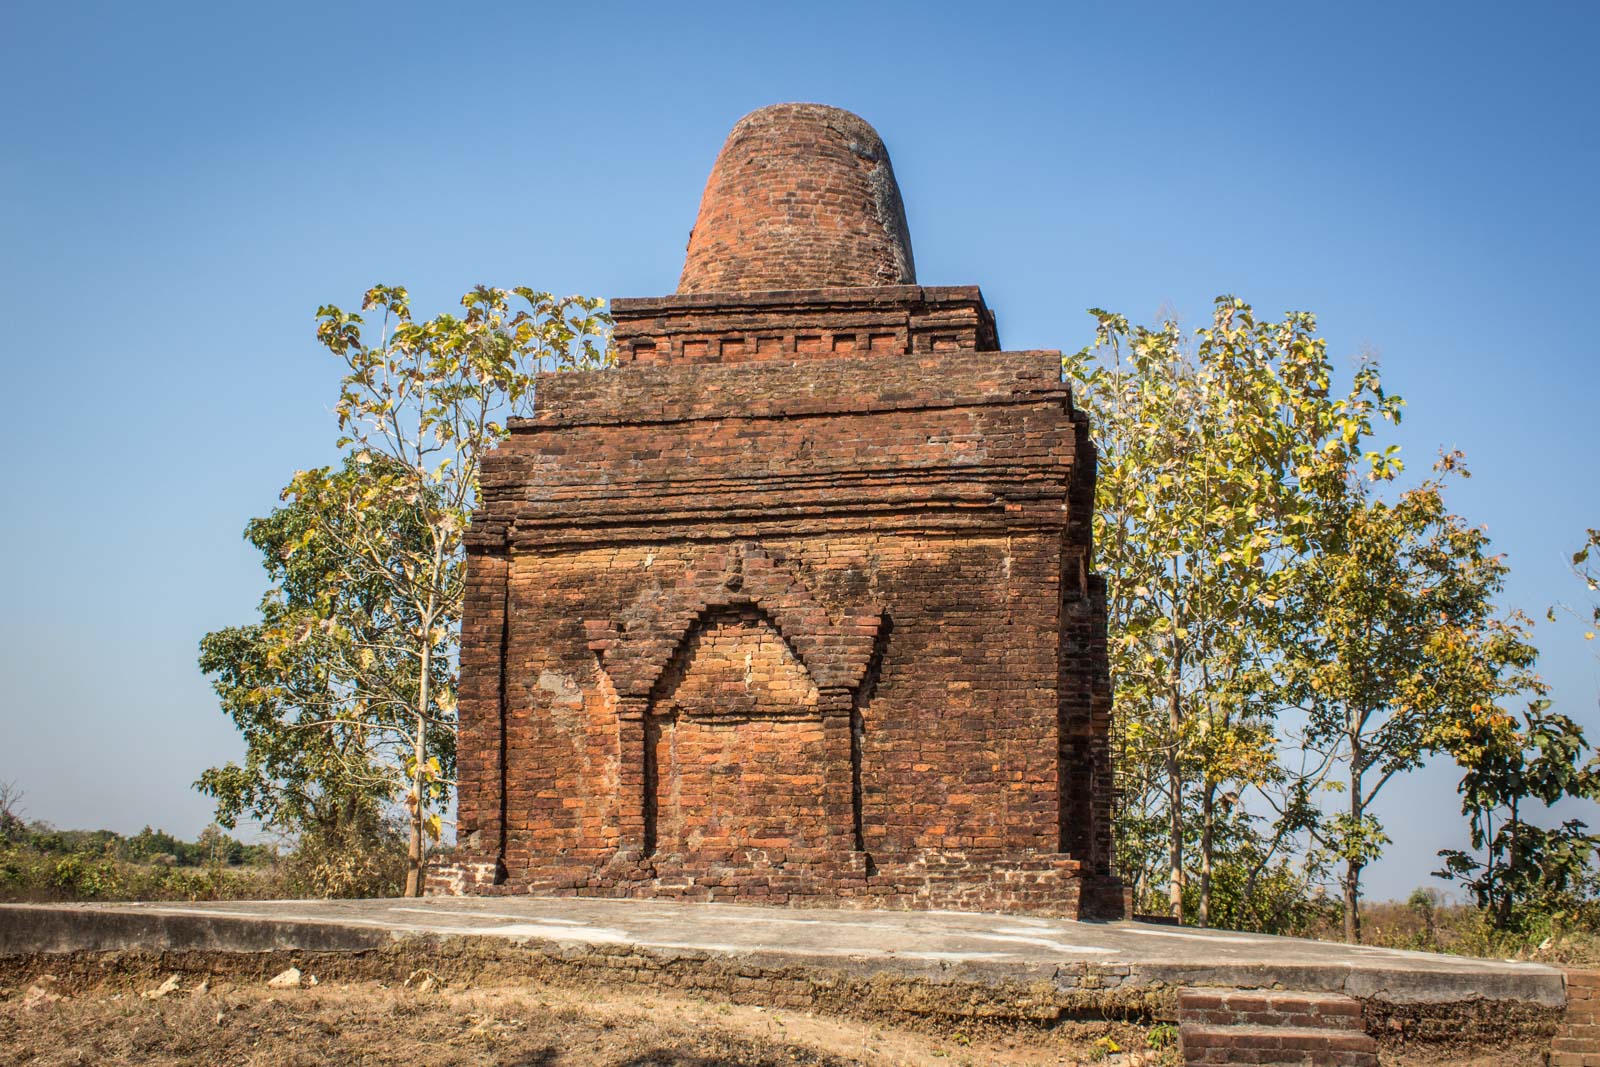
x: 359, y: 856
x: 80, y: 878
x: 41, y: 863
x: 367, y: 859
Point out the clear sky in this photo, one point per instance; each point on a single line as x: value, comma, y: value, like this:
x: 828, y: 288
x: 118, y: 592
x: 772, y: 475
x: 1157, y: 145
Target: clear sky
x: 182, y: 185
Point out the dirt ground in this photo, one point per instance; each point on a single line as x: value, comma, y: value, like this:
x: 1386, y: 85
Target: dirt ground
x: 504, y: 1025
x: 184, y: 1019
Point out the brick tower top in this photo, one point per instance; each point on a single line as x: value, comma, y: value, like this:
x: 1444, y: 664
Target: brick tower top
x: 802, y: 196
x: 800, y: 252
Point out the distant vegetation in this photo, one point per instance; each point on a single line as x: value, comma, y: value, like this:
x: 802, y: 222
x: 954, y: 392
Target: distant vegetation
x: 40, y: 863
x: 1426, y: 922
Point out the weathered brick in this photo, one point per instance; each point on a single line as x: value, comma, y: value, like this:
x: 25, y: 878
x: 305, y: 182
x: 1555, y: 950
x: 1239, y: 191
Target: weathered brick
x: 802, y: 196
x: 1277, y: 1045
x: 1273, y: 1027
x: 793, y: 605
x: 1577, y: 1042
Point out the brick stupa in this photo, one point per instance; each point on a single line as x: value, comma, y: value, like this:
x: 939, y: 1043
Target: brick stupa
x: 793, y: 605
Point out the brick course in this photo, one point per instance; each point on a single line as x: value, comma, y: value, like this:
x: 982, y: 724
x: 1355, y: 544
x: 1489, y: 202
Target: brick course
x: 1289, y: 1029
x: 807, y: 623
x: 1276, y: 1046
x: 1577, y: 1042
x: 817, y: 324
x: 1305, y: 1011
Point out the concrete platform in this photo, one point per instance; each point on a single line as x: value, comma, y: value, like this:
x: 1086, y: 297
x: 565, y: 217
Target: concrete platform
x: 1085, y: 963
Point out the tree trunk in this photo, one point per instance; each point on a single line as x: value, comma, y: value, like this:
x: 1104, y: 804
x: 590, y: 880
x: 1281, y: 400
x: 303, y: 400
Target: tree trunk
x: 413, y: 858
x: 1352, y: 899
x: 1352, y: 867
x: 1488, y: 858
x: 1208, y: 807
x: 416, y: 851
x: 1175, y: 809
x: 1510, y: 872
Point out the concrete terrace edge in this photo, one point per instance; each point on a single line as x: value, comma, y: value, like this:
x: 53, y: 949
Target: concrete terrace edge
x: 46, y: 929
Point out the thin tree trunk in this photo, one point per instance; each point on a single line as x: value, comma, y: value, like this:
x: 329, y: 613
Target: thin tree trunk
x: 1352, y: 900
x: 1513, y: 864
x: 1489, y: 854
x: 1175, y: 807
x: 1352, y: 868
x: 415, y: 852
x: 1208, y: 807
x: 1174, y: 764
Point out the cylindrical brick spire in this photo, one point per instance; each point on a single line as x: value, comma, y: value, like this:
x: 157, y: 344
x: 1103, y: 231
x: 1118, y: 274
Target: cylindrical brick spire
x: 802, y: 196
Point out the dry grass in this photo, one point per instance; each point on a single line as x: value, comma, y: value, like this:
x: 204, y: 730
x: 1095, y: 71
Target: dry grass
x: 505, y: 1025
x: 504, y: 1022
x: 1465, y: 931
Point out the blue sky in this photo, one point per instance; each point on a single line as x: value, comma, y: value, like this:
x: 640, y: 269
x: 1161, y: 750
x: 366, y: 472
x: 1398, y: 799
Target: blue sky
x: 182, y: 185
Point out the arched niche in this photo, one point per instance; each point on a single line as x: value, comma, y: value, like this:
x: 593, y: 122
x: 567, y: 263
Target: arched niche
x: 736, y: 750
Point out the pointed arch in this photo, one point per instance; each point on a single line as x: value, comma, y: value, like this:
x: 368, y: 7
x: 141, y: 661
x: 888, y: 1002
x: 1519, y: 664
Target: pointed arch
x: 809, y: 734
x: 834, y: 651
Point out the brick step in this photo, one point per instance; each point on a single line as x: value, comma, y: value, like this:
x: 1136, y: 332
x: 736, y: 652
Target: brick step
x: 1276, y: 1046
x: 1269, y: 1007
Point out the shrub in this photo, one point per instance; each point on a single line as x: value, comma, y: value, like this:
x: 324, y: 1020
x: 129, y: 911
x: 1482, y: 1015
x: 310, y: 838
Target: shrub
x: 81, y: 878
x: 367, y: 859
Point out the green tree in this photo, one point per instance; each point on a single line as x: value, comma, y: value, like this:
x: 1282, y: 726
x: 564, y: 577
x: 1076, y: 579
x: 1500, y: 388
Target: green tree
x: 1396, y: 644
x: 1260, y: 881
x: 419, y: 405
x: 345, y: 688
x: 321, y: 685
x: 1210, y: 449
x: 1518, y: 868
x: 11, y: 824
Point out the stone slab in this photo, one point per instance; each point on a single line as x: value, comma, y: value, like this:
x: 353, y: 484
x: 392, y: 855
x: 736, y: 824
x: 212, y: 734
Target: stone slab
x: 928, y: 945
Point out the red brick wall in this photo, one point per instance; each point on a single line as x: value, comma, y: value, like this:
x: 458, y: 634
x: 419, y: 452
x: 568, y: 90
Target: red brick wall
x: 735, y: 745
x: 1271, y: 1007
x: 812, y: 325
x: 957, y: 735
x: 791, y: 631
x: 802, y: 196
x: 479, y: 753
x: 1577, y: 1043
